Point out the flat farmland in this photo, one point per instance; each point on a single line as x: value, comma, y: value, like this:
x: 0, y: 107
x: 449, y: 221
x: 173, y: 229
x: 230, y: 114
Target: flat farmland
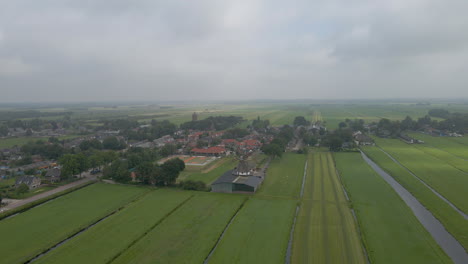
x: 447, y: 180
x: 451, y: 145
x: 40, y: 228
x: 284, y: 176
x: 107, y: 239
x: 188, y: 234
x: 390, y: 231
x: 258, y: 234
x: 455, y: 223
x: 325, y: 231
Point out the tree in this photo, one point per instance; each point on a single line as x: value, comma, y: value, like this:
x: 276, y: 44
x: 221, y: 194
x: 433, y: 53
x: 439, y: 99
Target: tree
x: 300, y: 121
x: 171, y: 170
x: 168, y: 149
x: 342, y: 125
x: 147, y: 173
x: 273, y: 150
x: 118, y: 171
x: 335, y: 143
x: 82, y: 161
x: 70, y: 165
x: 112, y: 143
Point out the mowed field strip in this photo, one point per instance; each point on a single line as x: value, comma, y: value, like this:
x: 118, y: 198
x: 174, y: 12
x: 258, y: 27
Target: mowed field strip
x: 188, y: 234
x: 325, y: 231
x: 104, y: 241
x: 447, y: 180
x: 258, y: 234
x: 36, y: 230
x: 284, y: 176
x: 391, y: 232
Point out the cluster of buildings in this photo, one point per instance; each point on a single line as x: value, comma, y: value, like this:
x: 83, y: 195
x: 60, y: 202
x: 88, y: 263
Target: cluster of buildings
x: 245, y: 178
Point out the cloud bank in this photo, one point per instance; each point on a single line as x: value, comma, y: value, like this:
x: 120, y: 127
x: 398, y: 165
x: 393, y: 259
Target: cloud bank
x: 245, y: 49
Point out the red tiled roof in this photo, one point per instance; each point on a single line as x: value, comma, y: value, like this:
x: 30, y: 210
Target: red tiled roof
x: 251, y: 142
x: 211, y: 150
x: 230, y: 141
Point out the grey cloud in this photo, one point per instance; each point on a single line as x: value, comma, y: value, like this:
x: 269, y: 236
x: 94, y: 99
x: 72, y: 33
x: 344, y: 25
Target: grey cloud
x: 245, y: 49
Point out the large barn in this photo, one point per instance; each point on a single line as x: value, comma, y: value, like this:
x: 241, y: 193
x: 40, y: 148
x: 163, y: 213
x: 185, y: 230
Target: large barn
x: 243, y: 178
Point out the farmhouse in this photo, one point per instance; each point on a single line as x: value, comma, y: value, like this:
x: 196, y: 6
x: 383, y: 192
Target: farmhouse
x: 31, y: 181
x: 363, y: 140
x: 242, y: 179
x: 410, y: 140
x: 211, y: 151
x: 53, y: 175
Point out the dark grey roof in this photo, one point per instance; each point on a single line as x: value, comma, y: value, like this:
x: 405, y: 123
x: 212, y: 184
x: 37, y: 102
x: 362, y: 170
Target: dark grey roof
x: 229, y: 177
x: 53, y: 173
x: 28, y: 180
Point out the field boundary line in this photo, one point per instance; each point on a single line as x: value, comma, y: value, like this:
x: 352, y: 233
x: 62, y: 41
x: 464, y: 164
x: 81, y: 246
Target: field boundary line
x: 324, y: 211
x: 293, y: 226
x: 422, y: 181
x: 81, y: 230
x: 207, y: 259
x: 346, y: 235
x: 151, y: 228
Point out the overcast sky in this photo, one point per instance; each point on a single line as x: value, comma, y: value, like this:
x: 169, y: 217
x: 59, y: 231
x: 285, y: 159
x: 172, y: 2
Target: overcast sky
x: 96, y: 50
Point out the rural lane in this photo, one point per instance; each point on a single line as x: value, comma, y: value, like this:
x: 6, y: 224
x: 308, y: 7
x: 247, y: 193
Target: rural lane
x: 88, y: 178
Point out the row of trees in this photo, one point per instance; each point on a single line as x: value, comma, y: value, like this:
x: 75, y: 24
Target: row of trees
x: 147, y: 172
x: 278, y: 145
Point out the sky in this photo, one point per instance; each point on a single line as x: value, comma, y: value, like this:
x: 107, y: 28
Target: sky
x: 151, y: 50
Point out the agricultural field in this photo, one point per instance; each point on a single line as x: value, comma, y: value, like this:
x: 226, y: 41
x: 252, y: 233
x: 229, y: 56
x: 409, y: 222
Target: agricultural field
x: 284, y: 176
x: 19, y: 141
x: 60, y: 218
x: 390, y: 231
x: 188, y: 234
x: 107, y: 239
x: 325, y: 231
x: 450, y: 145
x: 210, y: 173
x: 258, y: 234
x: 447, y: 180
x: 455, y: 223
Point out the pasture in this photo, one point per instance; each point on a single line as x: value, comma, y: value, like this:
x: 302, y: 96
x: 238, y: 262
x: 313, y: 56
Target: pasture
x: 258, y: 234
x: 391, y: 233
x: 284, y: 176
x: 40, y: 228
x: 447, y: 180
x: 107, y: 239
x: 451, y: 219
x: 325, y: 231
x: 450, y: 145
x: 188, y: 234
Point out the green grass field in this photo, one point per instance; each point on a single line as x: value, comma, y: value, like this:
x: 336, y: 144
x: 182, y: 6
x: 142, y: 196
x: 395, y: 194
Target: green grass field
x: 40, y: 228
x: 451, y: 145
x: 209, y: 176
x: 104, y: 241
x: 391, y: 232
x: 441, y: 176
x: 325, y: 231
x: 187, y: 235
x: 284, y: 176
x: 19, y: 141
x: 258, y: 234
x: 452, y: 220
